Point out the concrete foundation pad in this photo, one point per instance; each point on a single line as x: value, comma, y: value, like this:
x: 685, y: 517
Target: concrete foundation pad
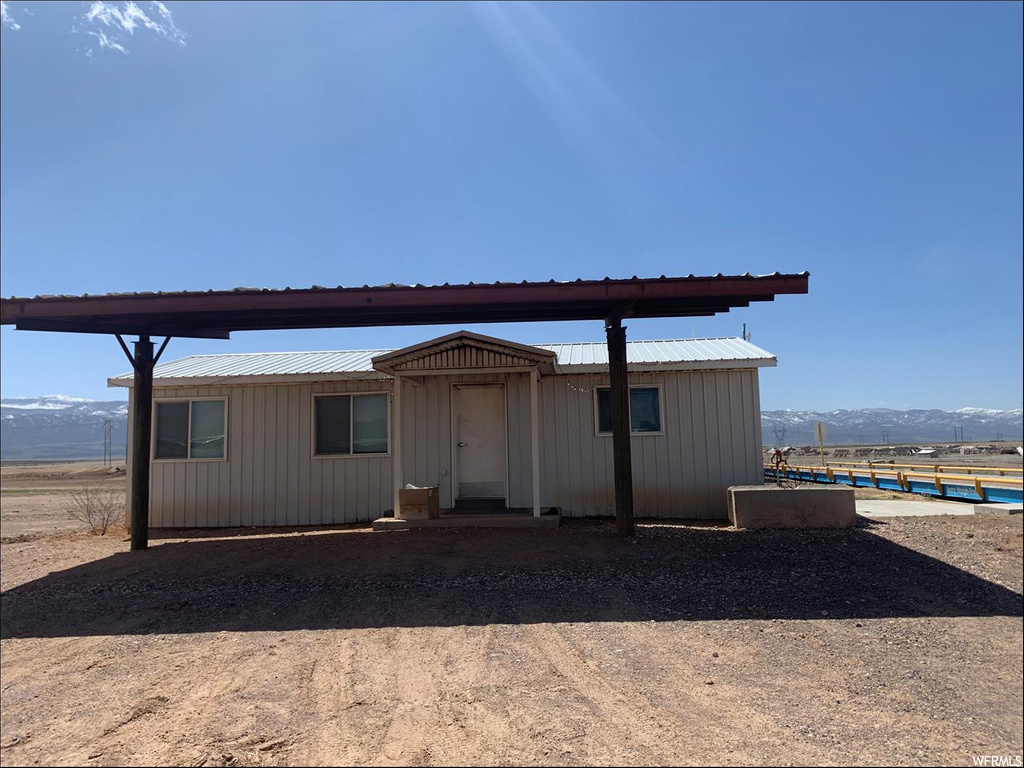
x: 874, y: 508
x: 768, y: 506
x: 468, y: 521
x: 1014, y: 508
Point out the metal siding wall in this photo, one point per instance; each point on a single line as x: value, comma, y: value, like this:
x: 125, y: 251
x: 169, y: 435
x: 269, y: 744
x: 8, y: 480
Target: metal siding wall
x: 711, y: 440
x: 270, y: 476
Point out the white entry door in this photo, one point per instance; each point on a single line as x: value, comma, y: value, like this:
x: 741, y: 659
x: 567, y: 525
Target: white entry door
x: 480, y: 441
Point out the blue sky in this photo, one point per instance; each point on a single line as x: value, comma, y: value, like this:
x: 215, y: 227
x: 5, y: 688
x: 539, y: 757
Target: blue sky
x: 208, y: 145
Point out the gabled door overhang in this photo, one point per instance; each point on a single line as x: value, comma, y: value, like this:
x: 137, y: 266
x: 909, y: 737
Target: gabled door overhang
x: 465, y: 352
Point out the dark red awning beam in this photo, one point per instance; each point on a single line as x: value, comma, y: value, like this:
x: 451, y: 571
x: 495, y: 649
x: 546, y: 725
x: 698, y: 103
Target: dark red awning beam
x: 217, y: 313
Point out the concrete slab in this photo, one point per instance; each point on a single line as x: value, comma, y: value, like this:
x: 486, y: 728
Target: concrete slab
x: 1014, y: 508
x: 768, y: 506
x: 911, y: 508
x: 468, y: 521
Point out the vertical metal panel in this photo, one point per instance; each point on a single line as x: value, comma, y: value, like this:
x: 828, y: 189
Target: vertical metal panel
x: 757, y: 446
x: 288, y: 463
x: 712, y: 435
x: 514, y: 439
x: 268, y: 491
x: 303, y: 405
x: 315, y: 509
x: 517, y: 408
x: 258, y: 437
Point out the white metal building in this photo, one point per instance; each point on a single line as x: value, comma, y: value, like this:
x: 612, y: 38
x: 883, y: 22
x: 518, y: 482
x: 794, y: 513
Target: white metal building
x: 306, y: 438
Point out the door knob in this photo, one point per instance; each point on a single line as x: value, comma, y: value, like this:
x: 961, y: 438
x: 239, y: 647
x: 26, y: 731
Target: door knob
x: 462, y: 445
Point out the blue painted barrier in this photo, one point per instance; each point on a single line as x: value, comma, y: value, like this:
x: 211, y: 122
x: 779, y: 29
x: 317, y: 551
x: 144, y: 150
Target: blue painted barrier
x: 996, y: 492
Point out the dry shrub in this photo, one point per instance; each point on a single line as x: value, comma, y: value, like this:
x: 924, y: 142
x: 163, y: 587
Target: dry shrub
x: 99, y: 508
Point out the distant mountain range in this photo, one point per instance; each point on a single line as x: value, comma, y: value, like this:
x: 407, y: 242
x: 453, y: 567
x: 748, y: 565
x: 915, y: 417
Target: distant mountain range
x: 870, y: 426
x: 60, y: 427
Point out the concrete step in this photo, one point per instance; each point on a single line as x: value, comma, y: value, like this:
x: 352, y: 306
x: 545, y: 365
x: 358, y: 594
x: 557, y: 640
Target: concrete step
x: 499, y: 520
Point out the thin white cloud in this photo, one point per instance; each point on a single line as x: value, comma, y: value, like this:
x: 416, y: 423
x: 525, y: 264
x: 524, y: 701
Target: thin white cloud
x: 6, y: 19
x: 110, y: 23
x: 105, y: 42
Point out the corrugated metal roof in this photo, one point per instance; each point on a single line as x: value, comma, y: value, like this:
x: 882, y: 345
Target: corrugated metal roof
x: 573, y: 357
x: 417, y: 286
x: 666, y: 351
x: 267, y: 364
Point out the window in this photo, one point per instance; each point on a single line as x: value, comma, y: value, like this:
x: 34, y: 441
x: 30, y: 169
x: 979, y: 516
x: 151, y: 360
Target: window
x: 644, y: 410
x: 348, y: 425
x: 191, y: 429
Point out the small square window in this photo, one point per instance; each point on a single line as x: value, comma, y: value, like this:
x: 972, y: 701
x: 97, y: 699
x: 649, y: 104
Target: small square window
x: 644, y: 410
x: 191, y: 429
x: 351, y: 424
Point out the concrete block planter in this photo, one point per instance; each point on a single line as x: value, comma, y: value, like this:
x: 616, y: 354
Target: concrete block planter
x: 768, y: 506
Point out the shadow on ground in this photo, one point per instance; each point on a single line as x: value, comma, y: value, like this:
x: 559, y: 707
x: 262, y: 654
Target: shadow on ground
x: 352, y: 578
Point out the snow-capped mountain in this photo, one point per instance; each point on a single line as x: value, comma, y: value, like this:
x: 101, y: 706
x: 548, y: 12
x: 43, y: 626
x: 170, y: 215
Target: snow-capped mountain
x: 60, y: 427
x: 869, y: 425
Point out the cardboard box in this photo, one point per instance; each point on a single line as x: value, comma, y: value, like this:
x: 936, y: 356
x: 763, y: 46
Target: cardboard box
x: 418, y: 503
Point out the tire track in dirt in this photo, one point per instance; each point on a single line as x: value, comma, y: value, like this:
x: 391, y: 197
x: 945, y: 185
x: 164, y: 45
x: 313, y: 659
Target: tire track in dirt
x: 328, y: 697
x: 414, y: 716
x: 624, y: 718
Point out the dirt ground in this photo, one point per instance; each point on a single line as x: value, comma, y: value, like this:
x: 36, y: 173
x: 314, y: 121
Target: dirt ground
x: 896, y: 642
x: 32, y: 496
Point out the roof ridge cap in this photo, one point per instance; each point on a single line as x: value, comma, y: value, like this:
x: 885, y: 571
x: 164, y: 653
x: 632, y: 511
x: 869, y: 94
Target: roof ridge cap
x: 292, y: 352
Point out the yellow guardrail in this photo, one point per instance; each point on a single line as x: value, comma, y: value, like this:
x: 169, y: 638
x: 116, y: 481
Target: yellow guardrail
x: 969, y: 478
x: 939, y: 479
x: 930, y: 467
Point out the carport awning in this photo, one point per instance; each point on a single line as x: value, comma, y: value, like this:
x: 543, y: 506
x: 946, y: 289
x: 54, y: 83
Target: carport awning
x: 217, y: 313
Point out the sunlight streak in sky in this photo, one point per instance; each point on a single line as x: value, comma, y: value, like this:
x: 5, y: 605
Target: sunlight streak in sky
x: 577, y: 100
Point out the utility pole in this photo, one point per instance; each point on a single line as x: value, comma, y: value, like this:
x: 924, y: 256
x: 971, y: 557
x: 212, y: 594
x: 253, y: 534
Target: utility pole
x: 108, y: 458
x: 779, y: 431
